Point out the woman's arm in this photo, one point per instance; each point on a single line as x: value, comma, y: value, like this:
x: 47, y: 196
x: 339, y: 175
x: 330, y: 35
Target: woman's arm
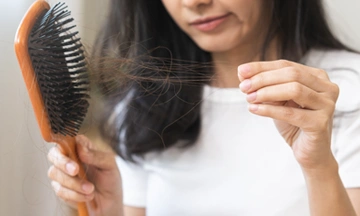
x: 327, y: 195
x: 354, y: 194
x: 133, y: 211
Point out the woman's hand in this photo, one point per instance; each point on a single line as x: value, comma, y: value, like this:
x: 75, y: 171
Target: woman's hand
x: 104, y: 183
x: 300, y: 99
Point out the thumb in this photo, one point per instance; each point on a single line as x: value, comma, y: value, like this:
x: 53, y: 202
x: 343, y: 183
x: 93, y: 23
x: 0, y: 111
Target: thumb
x: 90, y: 156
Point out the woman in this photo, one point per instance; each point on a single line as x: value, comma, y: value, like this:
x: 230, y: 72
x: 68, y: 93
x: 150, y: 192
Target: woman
x: 206, y: 148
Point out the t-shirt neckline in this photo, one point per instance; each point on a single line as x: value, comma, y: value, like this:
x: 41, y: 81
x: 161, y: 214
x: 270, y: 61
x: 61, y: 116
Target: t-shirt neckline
x: 223, y: 95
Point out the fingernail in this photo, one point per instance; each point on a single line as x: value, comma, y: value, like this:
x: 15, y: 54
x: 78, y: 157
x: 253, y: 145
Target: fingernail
x: 85, y: 148
x: 245, y: 85
x: 253, y: 107
x: 243, y: 69
x: 78, y: 139
x: 70, y: 168
x: 87, y: 187
x: 81, y: 142
x: 251, y: 97
x: 55, y: 185
x: 89, y: 196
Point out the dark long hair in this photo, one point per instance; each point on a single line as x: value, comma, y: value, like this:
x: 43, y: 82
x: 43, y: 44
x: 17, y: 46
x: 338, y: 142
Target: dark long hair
x: 160, y: 104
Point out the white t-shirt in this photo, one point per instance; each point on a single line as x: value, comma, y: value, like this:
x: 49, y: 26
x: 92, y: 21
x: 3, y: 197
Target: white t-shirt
x: 241, y: 165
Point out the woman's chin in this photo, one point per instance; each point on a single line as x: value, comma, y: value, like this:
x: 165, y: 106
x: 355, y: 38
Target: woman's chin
x: 217, y: 44
x: 214, y: 47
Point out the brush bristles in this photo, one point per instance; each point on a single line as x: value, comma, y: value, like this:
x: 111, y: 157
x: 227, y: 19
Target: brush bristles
x: 60, y: 68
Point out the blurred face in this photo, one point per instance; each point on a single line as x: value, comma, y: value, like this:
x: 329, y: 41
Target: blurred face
x: 220, y: 25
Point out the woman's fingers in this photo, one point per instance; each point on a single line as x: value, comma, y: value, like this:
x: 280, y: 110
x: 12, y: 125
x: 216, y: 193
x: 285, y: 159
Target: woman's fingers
x: 69, y: 195
x: 88, y: 155
x: 70, y: 182
x: 62, y: 162
x: 276, y: 81
x: 248, y: 70
x: 300, y: 94
x: 284, y: 75
x: 301, y: 118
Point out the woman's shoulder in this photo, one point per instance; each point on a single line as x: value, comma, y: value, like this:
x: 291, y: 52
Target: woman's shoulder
x: 331, y: 60
x: 343, y: 68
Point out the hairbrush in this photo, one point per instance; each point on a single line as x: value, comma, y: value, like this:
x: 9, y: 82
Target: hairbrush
x: 54, y: 69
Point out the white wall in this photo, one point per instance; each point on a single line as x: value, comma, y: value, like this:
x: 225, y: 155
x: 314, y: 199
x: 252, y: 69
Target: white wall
x: 24, y: 187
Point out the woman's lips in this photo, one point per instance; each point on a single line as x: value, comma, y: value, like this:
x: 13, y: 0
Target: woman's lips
x: 209, y: 23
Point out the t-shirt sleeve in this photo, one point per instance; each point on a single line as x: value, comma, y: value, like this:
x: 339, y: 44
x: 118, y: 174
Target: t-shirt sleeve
x: 134, y: 182
x: 346, y: 132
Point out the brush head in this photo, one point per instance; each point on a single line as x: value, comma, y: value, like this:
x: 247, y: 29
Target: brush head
x: 60, y: 69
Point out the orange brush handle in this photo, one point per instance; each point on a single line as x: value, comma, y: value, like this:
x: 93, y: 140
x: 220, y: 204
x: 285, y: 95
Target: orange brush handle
x: 21, y: 48
x: 68, y: 148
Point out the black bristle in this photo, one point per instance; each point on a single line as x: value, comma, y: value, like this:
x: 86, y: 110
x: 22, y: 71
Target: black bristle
x: 60, y: 69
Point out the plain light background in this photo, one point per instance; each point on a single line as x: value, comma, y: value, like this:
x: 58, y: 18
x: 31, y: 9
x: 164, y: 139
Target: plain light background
x: 24, y: 187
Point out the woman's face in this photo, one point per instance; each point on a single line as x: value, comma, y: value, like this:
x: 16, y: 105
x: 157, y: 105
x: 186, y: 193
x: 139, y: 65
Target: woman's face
x: 220, y: 25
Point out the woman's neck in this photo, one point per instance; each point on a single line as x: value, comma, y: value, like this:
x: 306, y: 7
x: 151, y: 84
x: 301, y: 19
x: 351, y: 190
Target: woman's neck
x: 226, y: 63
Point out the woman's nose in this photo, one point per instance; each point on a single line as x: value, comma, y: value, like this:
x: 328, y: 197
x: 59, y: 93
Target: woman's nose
x: 194, y: 4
